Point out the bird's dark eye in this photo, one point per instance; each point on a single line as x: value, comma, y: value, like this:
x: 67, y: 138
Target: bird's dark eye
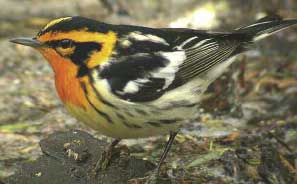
x: 65, y: 43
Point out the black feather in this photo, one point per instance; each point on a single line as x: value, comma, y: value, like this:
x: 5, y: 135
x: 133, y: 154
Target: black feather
x: 77, y: 23
x: 134, y: 67
x: 266, y: 25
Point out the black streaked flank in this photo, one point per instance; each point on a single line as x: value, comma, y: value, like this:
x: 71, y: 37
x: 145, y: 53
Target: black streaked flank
x: 99, y: 96
x: 129, y: 125
x: 124, y: 121
x: 103, y: 114
x: 84, y: 87
x: 169, y: 121
x: 127, y: 111
x: 140, y: 111
x: 155, y: 124
x: 120, y: 116
x: 100, y: 113
x: 179, y: 104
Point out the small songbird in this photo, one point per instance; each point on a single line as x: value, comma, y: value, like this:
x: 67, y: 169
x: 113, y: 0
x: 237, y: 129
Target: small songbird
x: 130, y: 81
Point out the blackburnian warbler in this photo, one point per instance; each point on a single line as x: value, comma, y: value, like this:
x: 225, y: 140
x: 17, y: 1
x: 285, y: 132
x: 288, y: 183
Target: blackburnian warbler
x: 130, y: 81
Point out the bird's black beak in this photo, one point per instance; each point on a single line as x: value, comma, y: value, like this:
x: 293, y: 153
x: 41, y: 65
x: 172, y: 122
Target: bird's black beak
x: 31, y: 42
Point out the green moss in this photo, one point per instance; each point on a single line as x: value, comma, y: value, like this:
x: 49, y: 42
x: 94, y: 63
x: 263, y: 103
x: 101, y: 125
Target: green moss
x: 18, y: 127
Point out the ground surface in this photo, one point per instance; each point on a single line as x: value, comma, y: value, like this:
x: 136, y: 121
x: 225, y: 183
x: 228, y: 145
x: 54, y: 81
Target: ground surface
x: 69, y: 157
x: 249, y: 131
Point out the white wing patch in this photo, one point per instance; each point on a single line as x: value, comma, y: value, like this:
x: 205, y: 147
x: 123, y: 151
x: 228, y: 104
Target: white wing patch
x: 133, y: 86
x: 125, y: 43
x: 147, y: 37
x: 181, y: 46
x: 168, y: 73
x: 202, y: 42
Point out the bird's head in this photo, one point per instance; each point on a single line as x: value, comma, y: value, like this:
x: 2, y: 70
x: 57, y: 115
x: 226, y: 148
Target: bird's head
x: 73, y: 44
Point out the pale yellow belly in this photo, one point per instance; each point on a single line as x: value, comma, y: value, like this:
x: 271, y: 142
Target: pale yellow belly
x: 135, y: 127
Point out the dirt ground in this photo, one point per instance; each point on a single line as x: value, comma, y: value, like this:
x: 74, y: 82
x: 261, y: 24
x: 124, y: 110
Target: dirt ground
x: 247, y: 132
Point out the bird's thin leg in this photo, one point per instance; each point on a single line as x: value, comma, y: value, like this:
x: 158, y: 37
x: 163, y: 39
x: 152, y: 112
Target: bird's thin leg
x: 166, y: 150
x: 106, y: 155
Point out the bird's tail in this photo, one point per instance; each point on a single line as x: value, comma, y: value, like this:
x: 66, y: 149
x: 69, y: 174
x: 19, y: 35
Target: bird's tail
x: 266, y: 26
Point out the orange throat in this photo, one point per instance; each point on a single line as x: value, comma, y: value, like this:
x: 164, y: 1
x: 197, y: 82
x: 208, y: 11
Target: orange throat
x: 67, y: 84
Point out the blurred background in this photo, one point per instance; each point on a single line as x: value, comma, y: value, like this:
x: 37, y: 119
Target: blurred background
x: 248, y: 125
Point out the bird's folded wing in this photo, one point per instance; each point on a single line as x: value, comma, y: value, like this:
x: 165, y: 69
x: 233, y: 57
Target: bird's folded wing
x: 144, y: 77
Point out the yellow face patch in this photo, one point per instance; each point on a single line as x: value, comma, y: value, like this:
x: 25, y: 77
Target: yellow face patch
x: 107, y: 40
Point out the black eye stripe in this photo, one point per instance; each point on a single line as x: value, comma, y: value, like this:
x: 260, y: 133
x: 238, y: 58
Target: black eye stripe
x: 84, y: 45
x: 83, y: 50
x: 81, y: 53
x: 65, y: 43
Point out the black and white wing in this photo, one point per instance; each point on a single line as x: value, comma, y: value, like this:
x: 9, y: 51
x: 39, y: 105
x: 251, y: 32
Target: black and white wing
x: 151, y: 65
x: 150, y: 62
x: 143, y: 77
x: 205, y: 52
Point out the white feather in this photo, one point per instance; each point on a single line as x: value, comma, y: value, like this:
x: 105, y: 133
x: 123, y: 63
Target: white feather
x: 147, y: 37
x: 131, y: 87
x: 181, y: 46
x: 202, y: 42
x: 168, y: 73
x: 125, y: 43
